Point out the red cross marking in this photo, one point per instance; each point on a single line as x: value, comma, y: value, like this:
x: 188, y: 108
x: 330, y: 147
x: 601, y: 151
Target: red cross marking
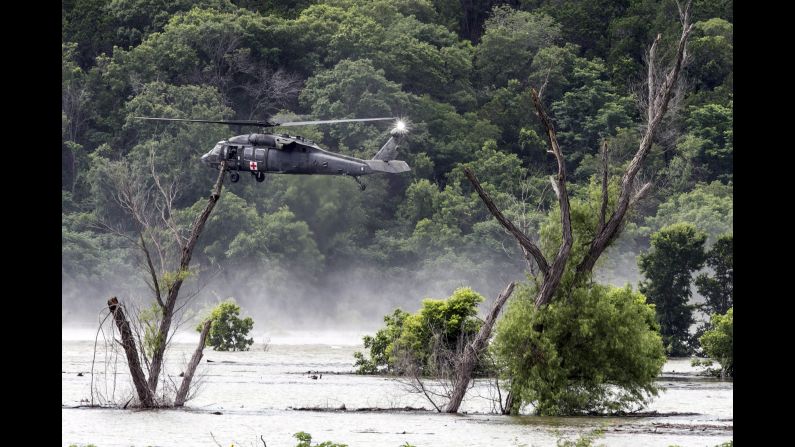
x: 252, y: 165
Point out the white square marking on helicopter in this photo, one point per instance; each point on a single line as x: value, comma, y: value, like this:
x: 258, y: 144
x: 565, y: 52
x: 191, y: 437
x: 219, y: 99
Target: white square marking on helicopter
x: 252, y: 165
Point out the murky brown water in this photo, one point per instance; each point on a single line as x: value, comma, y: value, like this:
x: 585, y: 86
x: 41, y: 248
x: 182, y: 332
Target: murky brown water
x: 256, y: 390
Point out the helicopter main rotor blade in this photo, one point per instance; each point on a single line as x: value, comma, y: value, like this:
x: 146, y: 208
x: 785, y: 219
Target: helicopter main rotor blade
x: 352, y: 120
x: 229, y: 122
x: 264, y: 123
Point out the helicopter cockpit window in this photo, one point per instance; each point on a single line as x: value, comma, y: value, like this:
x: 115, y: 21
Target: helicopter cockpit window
x: 217, y: 149
x: 232, y: 153
x: 248, y: 153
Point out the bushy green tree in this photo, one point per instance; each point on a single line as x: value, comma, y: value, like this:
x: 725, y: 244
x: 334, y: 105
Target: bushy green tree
x: 381, y: 345
x: 718, y: 342
x: 413, y: 338
x: 598, y: 350
x: 676, y: 252
x: 227, y: 330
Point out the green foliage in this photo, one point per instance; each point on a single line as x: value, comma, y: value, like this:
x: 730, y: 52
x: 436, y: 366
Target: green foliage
x: 711, y: 49
x: 711, y: 140
x: 584, y: 23
x: 305, y: 440
x: 381, y: 346
x: 598, y: 350
x: 591, y: 109
x: 410, y: 339
x: 150, y: 318
x: 510, y: 41
x: 583, y: 440
x: 718, y: 342
x: 227, y: 331
x: 710, y: 207
x: 676, y: 252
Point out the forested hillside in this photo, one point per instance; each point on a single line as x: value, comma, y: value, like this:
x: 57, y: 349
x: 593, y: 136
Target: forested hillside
x: 313, y: 248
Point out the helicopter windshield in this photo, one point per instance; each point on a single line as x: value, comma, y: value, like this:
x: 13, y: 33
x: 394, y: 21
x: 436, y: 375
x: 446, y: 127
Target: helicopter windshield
x: 217, y: 149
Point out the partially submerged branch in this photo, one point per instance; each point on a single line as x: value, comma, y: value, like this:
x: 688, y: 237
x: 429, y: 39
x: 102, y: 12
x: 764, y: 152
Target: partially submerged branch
x: 182, y: 394
x: 472, y: 351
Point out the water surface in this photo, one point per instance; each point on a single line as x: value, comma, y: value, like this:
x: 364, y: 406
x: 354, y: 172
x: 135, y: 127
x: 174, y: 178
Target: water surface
x: 257, y: 393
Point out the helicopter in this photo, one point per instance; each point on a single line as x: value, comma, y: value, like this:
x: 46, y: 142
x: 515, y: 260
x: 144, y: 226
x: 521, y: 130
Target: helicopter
x: 264, y: 153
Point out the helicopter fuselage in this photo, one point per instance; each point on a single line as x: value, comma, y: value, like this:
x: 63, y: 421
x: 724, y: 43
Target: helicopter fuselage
x: 283, y: 154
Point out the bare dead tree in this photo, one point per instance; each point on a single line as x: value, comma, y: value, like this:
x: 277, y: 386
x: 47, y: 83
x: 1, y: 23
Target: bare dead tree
x: 431, y: 377
x: 218, y: 50
x: 150, y: 204
x: 267, y: 89
x: 552, y: 273
x: 74, y: 97
x: 660, y: 91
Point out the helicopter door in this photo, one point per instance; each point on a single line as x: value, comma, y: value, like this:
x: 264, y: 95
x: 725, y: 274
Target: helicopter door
x: 248, y: 157
x: 261, y: 157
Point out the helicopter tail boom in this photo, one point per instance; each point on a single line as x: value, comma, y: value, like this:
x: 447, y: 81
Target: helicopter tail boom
x: 392, y: 167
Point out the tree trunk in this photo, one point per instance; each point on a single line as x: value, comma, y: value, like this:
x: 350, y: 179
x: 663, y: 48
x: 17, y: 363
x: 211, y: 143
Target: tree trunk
x: 145, y: 394
x: 472, y: 352
x: 508, y: 403
x: 182, y: 394
x: 173, y: 292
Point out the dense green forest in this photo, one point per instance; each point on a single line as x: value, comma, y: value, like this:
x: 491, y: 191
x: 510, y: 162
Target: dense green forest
x: 459, y: 71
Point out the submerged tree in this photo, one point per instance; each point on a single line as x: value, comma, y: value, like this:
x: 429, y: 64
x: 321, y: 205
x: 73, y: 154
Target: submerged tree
x: 599, y: 350
x: 227, y: 330
x: 718, y: 342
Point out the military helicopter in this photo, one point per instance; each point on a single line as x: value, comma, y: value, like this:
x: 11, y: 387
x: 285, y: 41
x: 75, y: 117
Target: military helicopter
x: 262, y: 153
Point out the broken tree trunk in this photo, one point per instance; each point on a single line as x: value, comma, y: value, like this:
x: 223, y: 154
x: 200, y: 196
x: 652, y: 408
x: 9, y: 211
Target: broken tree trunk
x: 472, y: 351
x: 145, y: 394
x: 182, y: 394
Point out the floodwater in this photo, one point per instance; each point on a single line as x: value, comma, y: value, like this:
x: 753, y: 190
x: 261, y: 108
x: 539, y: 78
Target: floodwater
x: 257, y: 393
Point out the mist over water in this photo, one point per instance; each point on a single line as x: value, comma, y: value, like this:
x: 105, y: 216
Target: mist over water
x: 337, y: 307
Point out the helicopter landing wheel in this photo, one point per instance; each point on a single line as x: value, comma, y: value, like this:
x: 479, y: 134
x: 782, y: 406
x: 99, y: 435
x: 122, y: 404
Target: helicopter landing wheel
x: 260, y: 176
x: 234, y: 177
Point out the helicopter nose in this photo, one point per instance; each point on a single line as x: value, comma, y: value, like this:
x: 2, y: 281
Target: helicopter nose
x: 206, y: 158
